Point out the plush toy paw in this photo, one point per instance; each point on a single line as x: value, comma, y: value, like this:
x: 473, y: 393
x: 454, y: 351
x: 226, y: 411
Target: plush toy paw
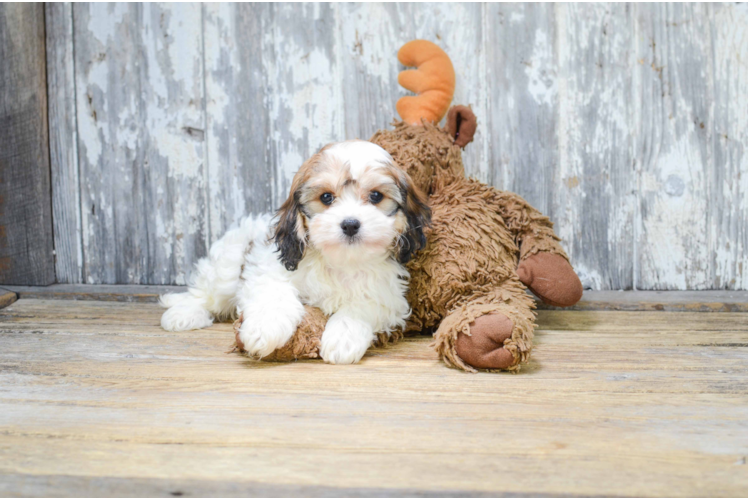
x: 551, y: 278
x: 484, y: 347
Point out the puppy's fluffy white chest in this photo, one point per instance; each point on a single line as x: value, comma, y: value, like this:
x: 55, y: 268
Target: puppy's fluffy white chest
x: 377, y: 287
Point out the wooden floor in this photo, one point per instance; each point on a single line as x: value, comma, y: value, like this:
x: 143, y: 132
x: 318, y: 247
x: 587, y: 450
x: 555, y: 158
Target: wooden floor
x: 96, y: 399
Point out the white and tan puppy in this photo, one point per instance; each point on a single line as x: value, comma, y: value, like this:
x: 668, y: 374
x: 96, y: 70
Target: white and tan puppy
x: 339, y: 242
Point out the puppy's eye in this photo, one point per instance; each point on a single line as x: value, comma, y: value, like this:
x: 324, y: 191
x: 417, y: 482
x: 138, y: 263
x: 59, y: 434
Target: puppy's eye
x: 326, y: 198
x: 375, y: 197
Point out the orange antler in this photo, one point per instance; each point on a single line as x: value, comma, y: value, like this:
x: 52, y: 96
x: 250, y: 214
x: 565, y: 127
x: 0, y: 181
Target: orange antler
x: 433, y: 81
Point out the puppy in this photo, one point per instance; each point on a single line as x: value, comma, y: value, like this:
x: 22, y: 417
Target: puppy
x: 339, y: 242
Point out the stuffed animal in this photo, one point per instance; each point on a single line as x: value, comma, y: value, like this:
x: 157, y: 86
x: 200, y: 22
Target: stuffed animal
x: 484, y: 246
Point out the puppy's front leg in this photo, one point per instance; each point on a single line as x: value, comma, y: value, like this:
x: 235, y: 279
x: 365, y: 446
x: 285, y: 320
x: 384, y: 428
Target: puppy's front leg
x: 272, y: 311
x: 346, y: 338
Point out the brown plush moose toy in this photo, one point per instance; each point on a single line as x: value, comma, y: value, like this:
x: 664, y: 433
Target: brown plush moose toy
x: 484, y: 246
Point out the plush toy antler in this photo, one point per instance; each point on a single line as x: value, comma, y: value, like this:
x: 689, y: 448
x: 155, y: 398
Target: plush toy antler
x: 433, y: 81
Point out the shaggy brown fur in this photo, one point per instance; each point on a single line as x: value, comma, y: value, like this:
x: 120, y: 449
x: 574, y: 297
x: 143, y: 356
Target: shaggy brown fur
x: 468, y: 274
x: 305, y: 342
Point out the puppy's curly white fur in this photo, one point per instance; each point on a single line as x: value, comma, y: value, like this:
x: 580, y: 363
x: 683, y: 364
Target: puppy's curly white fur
x: 339, y: 242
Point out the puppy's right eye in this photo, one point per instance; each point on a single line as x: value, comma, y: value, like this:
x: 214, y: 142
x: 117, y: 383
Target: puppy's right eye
x: 326, y: 198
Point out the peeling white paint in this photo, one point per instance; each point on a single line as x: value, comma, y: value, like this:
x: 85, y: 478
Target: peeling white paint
x: 303, y: 105
x: 541, y: 77
x: 369, y: 38
x: 221, y: 61
x: 674, y: 247
x: 591, y: 279
x: 516, y: 17
x: 105, y: 19
x: 731, y: 128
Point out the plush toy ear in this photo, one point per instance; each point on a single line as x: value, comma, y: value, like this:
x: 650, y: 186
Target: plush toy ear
x: 461, y: 124
x: 418, y: 216
x: 289, y: 231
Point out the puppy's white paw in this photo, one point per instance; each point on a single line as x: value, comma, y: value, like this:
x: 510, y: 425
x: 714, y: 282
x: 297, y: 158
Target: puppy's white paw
x: 181, y: 318
x: 262, y: 334
x: 345, y: 340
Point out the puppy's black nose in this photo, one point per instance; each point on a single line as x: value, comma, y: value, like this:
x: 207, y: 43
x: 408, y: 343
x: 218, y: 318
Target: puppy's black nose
x: 350, y: 226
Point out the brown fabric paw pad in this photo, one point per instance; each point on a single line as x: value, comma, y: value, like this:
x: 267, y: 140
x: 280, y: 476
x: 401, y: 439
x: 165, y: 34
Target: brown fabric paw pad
x: 551, y: 278
x: 484, y: 347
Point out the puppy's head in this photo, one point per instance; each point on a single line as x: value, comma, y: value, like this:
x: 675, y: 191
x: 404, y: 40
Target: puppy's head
x: 351, y: 202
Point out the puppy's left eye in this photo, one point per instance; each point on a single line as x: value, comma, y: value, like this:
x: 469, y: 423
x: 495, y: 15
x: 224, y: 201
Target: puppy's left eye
x: 375, y: 197
x: 326, y: 199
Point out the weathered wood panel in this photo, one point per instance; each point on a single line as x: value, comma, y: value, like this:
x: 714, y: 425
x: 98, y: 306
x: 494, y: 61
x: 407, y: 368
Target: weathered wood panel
x: 521, y: 70
x: 63, y: 143
x: 593, y: 113
x: 368, y: 32
x: 560, y: 122
x: 523, y: 99
x: 26, y: 246
x: 674, y: 147
x: 141, y: 124
x: 728, y: 191
x: 304, y: 85
x: 593, y: 195
x: 240, y: 168
x: 111, y: 160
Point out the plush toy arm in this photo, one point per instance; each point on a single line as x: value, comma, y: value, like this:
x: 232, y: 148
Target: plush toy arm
x: 532, y: 230
x: 543, y: 265
x: 304, y: 343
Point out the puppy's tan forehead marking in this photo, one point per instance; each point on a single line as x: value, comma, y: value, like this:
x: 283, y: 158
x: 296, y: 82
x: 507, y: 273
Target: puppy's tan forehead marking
x: 360, y: 156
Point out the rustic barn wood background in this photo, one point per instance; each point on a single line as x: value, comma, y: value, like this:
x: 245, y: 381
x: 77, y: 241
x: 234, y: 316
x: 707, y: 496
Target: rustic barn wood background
x: 625, y: 123
x: 26, y: 246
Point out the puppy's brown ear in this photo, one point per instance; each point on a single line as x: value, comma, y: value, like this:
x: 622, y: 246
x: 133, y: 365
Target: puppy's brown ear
x: 418, y: 216
x: 290, y: 233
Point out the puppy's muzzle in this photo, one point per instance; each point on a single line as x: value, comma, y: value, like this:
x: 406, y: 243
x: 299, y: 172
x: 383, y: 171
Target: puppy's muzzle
x: 350, y: 227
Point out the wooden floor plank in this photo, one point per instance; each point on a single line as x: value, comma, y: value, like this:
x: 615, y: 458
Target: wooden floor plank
x: 60, y: 486
x: 593, y: 300
x: 95, y: 396
x: 7, y: 297
x: 108, y: 293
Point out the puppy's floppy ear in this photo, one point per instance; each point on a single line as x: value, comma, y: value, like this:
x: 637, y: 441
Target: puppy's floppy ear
x: 417, y: 214
x: 290, y: 233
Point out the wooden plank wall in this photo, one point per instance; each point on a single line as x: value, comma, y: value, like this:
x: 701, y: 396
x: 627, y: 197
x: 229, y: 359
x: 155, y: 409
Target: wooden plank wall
x: 624, y: 123
x: 26, y: 249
